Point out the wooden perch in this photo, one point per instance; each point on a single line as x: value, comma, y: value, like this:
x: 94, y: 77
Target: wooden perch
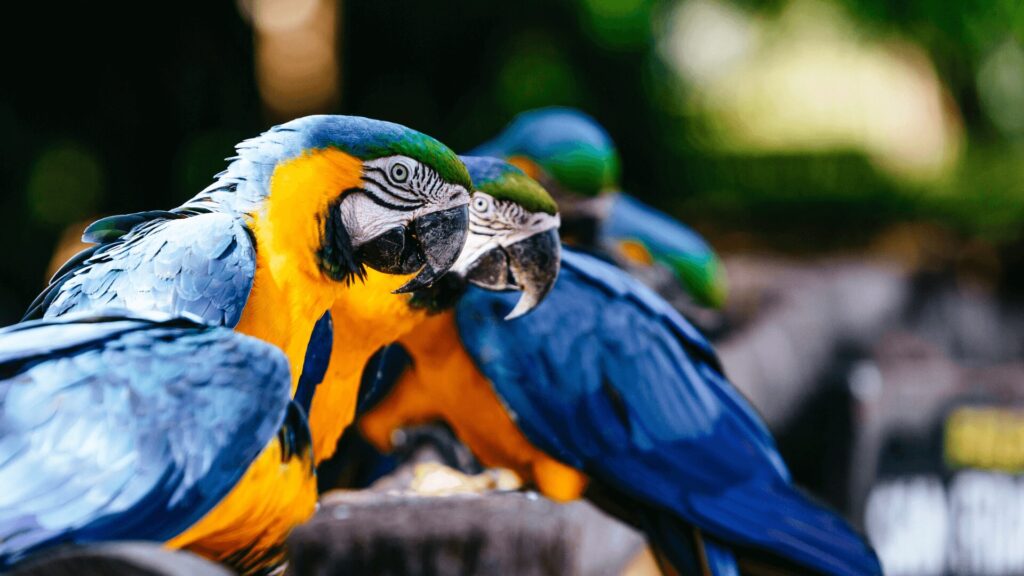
x: 396, y: 534
x: 393, y: 529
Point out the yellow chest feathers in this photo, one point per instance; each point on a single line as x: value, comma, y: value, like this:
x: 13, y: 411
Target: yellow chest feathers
x: 249, y: 526
x: 366, y: 317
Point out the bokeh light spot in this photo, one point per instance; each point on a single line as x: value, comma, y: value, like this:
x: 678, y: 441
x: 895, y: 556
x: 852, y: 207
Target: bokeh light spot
x: 65, y: 184
x: 1001, y: 87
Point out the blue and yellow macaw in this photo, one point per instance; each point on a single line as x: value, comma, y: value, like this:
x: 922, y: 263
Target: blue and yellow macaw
x: 321, y: 212
x: 324, y: 212
x: 512, y: 244
x: 575, y: 159
x: 134, y: 426
x: 606, y: 391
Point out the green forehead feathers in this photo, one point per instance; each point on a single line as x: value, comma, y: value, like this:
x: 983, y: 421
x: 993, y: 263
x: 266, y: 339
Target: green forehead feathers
x: 429, y: 151
x: 505, y: 182
x: 583, y: 169
x: 367, y: 139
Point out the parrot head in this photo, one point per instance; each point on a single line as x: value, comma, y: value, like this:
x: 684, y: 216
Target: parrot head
x: 564, y: 149
x: 574, y: 157
x: 354, y: 193
x: 513, y: 241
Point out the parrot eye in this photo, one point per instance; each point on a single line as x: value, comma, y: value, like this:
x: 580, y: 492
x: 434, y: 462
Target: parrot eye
x: 480, y: 204
x: 399, y: 173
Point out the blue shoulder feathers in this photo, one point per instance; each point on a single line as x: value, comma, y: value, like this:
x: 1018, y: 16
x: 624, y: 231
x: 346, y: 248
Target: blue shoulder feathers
x: 202, y: 265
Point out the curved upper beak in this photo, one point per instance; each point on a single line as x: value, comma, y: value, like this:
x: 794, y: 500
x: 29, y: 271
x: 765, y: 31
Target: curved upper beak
x: 441, y: 236
x: 534, y: 263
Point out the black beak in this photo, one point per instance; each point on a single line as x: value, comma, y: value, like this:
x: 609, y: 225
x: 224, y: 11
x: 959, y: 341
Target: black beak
x: 530, y: 265
x: 393, y: 252
x: 534, y: 263
x: 440, y: 236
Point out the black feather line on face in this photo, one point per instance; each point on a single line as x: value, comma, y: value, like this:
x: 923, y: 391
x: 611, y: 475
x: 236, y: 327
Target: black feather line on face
x: 336, y: 255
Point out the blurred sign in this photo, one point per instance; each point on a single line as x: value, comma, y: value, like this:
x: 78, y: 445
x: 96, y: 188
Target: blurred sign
x: 952, y: 502
x: 985, y: 437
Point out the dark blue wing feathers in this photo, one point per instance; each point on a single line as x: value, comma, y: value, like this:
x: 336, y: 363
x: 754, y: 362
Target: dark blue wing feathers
x: 607, y: 377
x: 679, y: 543
x: 318, y: 356
x: 380, y: 375
x: 107, y: 434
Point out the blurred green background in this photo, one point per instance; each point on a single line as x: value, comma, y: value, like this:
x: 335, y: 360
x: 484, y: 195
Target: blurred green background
x: 798, y: 126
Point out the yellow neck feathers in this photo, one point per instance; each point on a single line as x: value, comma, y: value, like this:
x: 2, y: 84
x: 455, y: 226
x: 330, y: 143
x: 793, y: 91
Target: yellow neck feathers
x: 290, y: 293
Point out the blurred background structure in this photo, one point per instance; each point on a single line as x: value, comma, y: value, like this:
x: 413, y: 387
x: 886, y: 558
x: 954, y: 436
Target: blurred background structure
x: 860, y: 163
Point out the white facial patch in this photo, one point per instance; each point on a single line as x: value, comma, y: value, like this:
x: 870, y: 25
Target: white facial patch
x: 498, y: 223
x: 395, y: 191
x: 364, y: 219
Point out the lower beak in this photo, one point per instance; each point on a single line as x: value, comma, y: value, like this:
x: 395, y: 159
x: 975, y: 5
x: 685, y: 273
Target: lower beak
x: 534, y: 263
x: 441, y: 236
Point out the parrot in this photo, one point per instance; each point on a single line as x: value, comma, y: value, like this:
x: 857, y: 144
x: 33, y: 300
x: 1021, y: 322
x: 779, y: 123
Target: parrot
x: 512, y: 244
x: 128, y: 425
x: 317, y: 213
x: 323, y: 212
x: 606, y: 392
x: 575, y: 159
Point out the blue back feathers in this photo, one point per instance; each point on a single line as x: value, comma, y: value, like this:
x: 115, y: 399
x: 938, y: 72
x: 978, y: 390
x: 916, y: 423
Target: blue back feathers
x: 203, y: 265
x: 128, y: 427
x: 607, y: 377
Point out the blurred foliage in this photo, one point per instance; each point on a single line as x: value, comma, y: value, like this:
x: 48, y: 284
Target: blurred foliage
x: 617, y: 24
x: 842, y: 199
x: 134, y: 107
x: 534, y: 56
x: 65, y: 185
